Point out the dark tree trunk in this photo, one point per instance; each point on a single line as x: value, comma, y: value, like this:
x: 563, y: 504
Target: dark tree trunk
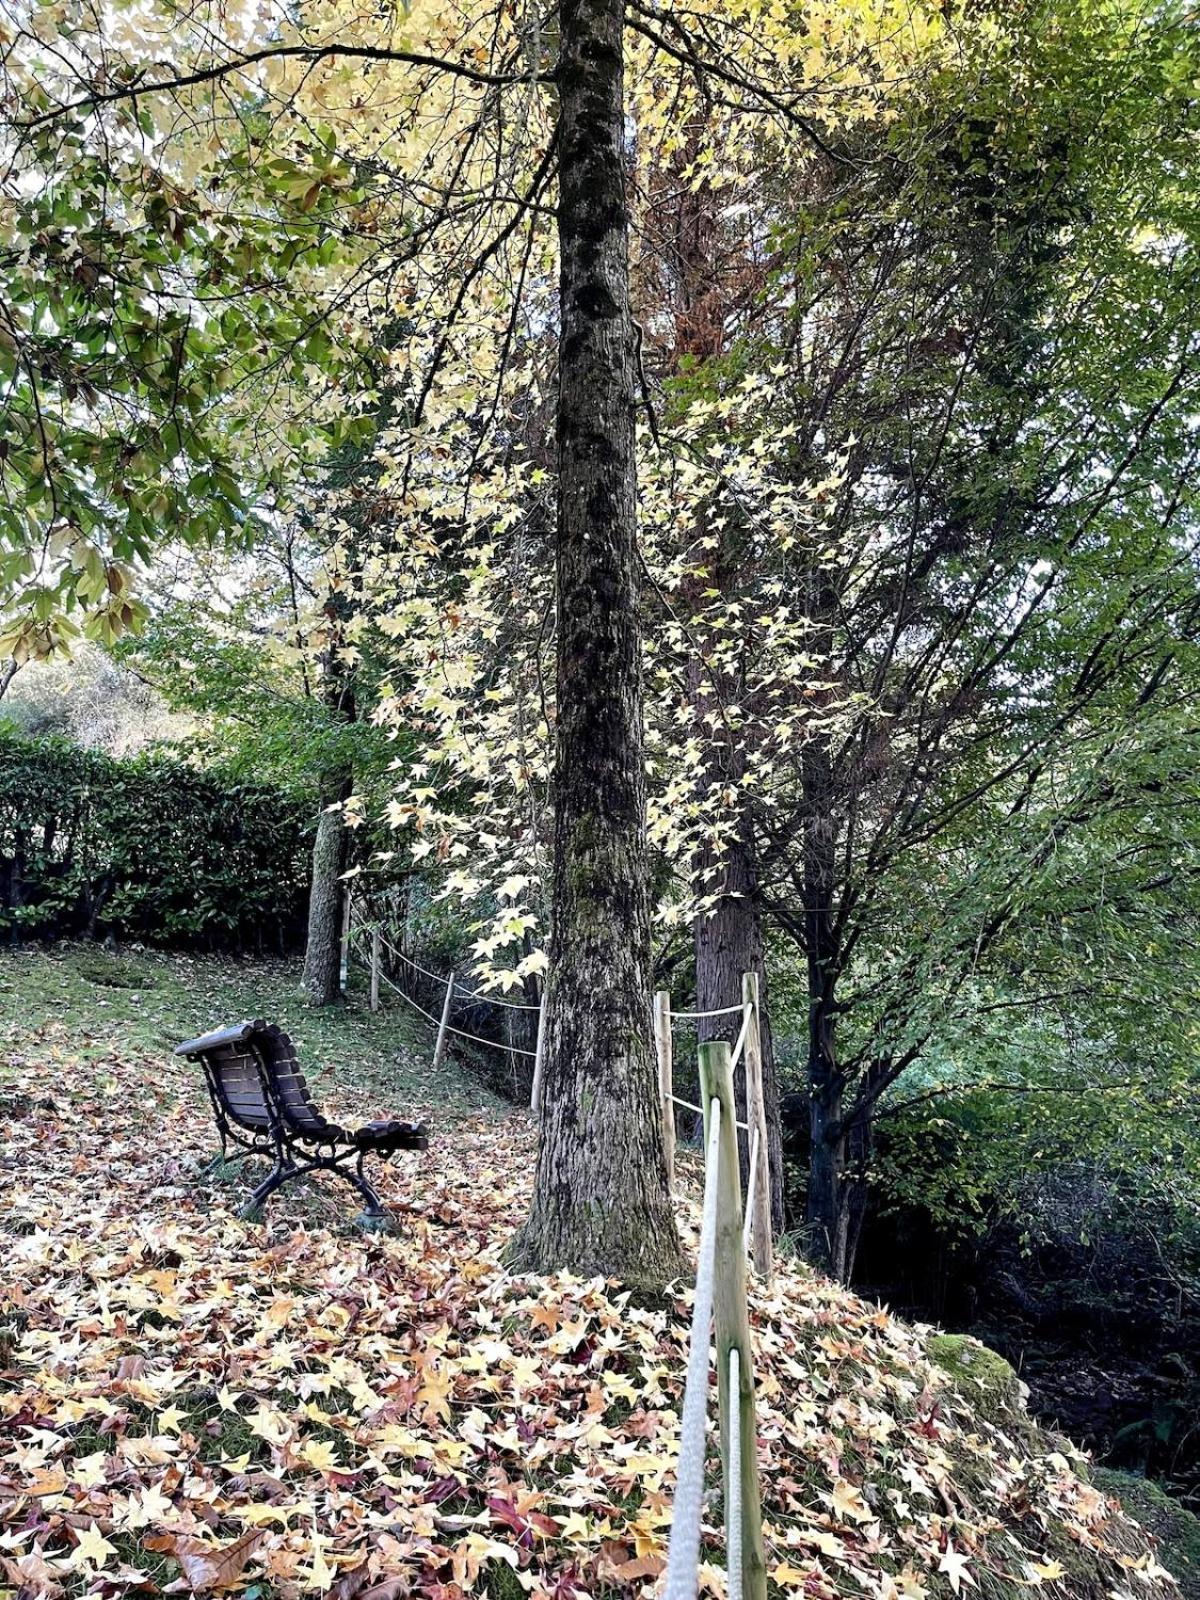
x: 727, y: 938
x: 827, y: 1212
x: 601, y: 1202
x: 521, y: 1031
x: 728, y: 942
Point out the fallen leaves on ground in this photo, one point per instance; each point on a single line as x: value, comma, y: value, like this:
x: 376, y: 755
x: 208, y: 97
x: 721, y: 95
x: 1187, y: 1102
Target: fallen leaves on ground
x: 192, y: 1403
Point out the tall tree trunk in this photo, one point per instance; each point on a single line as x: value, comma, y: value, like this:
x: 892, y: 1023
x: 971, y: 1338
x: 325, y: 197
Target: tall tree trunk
x: 827, y: 1213
x: 601, y: 1201
x: 727, y: 937
x: 321, y: 981
x: 728, y: 942
x: 323, y: 946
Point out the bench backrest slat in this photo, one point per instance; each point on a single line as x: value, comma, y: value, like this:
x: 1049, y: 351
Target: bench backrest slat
x: 237, y: 1079
x: 255, y: 1073
x: 295, y: 1103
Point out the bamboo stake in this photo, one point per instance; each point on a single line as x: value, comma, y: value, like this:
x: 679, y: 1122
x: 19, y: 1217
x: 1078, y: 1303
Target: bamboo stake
x: 731, y: 1317
x: 344, y: 968
x: 759, y: 1200
x: 539, y: 1059
x: 375, y: 967
x: 439, y: 1049
x: 662, y: 1044
x: 376, y: 956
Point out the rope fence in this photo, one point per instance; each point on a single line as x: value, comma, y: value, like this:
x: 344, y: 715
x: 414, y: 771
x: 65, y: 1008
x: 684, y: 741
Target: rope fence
x: 356, y: 930
x: 684, y: 1549
x: 720, y: 1307
x: 746, y: 1052
x: 729, y: 1232
x: 700, y: 1016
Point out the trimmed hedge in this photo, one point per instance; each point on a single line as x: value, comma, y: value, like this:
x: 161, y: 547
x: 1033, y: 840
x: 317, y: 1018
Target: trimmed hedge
x: 148, y: 848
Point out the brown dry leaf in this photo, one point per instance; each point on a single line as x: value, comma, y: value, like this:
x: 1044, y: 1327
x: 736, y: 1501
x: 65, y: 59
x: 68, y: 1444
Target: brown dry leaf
x: 386, y: 1419
x: 31, y: 1574
x: 207, y: 1566
x: 643, y: 1567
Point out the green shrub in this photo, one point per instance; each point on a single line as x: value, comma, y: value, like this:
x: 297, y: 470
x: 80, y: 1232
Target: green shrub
x: 147, y: 849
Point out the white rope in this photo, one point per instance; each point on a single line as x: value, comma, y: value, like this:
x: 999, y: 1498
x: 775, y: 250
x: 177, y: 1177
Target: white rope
x: 436, y: 977
x: 733, y: 1484
x: 684, y: 1549
x: 443, y: 977
x: 491, y: 1044
x: 736, y: 1054
x: 416, y: 1007
x: 748, y: 1220
x: 373, y: 928
x: 689, y: 1105
x: 698, y: 1016
x: 686, y: 1104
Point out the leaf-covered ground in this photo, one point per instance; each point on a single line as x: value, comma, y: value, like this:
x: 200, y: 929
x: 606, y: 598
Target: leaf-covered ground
x: 189, y: 1402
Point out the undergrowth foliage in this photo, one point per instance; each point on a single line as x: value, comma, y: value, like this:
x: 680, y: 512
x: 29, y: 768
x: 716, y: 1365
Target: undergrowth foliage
x: 146, y: 848
x: 190, y: 1402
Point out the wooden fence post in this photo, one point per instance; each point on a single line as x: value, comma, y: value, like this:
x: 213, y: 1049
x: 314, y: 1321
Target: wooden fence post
x: 347, y: 912
x: 756, y: 1116
x: 731, y: 1315
x: 539, y: 1057
x: 662, y: 1045
x: 439, y: 1049
x: 376, y: 957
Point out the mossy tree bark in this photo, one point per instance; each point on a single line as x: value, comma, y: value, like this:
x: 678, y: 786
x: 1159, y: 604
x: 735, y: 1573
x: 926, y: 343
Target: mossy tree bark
x: 321, y: 981
x: 322, y: 948
x: 601, y: 1200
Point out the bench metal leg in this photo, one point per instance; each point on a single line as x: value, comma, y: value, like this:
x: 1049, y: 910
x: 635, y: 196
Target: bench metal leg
x: 373, y: 1208
x: 374, y: 1217
x: 253, y: 1209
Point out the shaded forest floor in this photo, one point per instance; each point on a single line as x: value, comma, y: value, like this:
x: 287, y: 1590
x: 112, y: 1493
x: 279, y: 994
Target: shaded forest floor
x: 189, y: 1402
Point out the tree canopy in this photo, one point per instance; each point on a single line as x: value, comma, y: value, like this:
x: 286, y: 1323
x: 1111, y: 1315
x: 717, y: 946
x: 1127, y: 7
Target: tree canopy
x: 709, y: 487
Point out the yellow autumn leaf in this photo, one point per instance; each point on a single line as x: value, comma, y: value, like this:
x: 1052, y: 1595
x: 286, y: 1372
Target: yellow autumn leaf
x: 1045, y: 1571
x: 320, y: 1453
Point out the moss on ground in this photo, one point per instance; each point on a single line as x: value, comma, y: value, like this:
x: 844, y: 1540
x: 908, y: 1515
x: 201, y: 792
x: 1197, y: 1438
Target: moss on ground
x: 1175, y: 1528
x: 988, y: 1381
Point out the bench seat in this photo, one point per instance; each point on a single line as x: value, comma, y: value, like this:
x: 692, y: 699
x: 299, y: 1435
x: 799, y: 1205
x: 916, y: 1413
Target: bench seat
x: 262, y: 1106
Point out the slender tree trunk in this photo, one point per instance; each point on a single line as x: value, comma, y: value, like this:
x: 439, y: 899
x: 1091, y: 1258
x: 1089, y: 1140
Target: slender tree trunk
x: 826, y: 1208
x: 727, y: 938
x: 826, y: 1216
x: 322, y: 949
x: 728, y: 941
x: 321, y: 981
x: 601, y: 1201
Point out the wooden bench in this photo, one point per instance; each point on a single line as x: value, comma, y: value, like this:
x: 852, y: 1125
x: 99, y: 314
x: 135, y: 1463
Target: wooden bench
x: 262, y: 1106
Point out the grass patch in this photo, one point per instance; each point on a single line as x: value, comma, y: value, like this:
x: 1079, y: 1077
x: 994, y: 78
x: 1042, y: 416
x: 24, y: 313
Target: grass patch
x: 114, y: 972
x: 146, y: 1001
x: 159, y: 1569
